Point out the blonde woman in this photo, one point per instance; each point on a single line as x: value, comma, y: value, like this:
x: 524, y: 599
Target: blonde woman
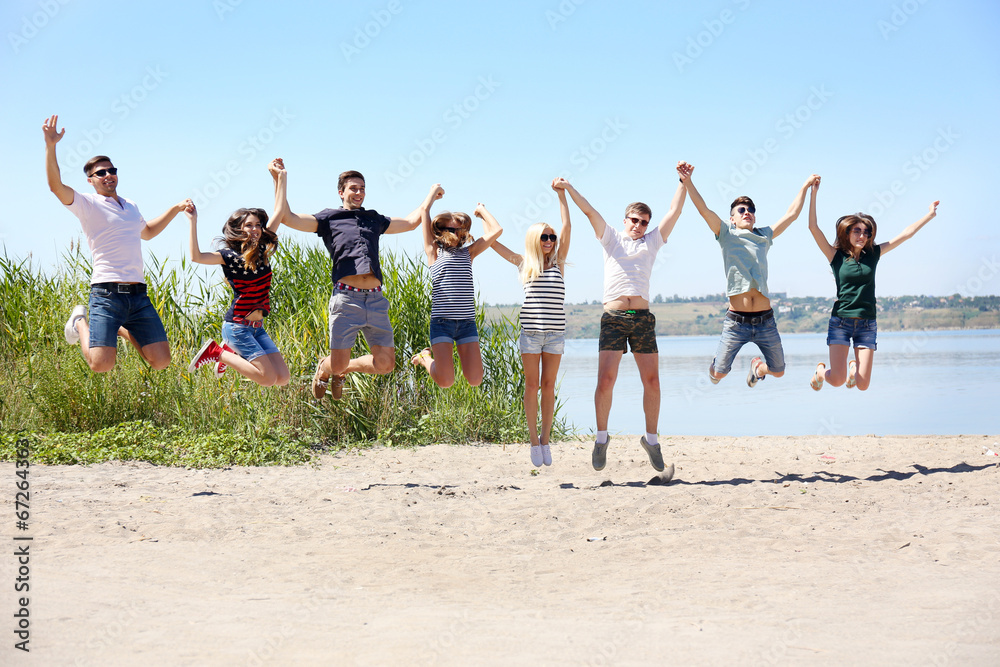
x: 543, y: 319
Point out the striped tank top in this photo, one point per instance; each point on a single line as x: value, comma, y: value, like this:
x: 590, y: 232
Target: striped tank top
x: 543, y: 308
x: 453, y: 294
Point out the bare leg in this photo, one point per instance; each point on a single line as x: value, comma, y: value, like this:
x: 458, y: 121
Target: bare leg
x: 100, y: 359
x: 381, y: 361
x: 865, y: 358
x: 607, y: 375
x: 550, y: 369
x: 156, y: 355
x: 649, y: 372
x: 472, y: 362
x: 763, y: 370
x: 440, y: 366
x: 837, y: 374
x: 531, y: 383
x: 267, y: 370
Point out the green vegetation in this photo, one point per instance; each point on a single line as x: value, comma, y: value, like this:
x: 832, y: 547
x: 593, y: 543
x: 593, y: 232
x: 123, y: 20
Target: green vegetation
x: 71, y: 415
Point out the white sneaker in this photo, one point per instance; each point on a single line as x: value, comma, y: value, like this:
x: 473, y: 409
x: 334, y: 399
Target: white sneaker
x: 72, y: 335
x: 536, y: 455
x: 546, y: 455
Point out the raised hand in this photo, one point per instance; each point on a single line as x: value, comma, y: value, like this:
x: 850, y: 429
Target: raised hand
x: 559, y: 183
x: 52, y: 137
x: 933, y: 209
x: 480, y: 210
x: 276, y: 167
x: 813, y: 183
x: 684, y: 170
x: 436, y: 191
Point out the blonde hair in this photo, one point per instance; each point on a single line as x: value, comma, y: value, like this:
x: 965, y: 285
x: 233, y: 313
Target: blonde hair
x: 534, y: 261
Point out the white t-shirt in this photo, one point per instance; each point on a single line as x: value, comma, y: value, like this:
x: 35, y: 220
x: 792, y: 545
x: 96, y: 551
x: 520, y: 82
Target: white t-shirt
x: 628, y: 263
x: 113, y: 233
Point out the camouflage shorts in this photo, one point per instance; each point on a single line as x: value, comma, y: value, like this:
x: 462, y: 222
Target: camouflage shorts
x: 637, y: 328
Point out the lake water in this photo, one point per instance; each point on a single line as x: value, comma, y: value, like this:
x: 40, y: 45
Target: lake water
x: 923, y: 383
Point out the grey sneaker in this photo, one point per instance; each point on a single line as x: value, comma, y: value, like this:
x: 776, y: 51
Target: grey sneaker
x: 655, y: 456
x: 752, y: 377
x: 600, y: 455
x: 546, y: 455
x: 536, y: 455
x: 72, y: 335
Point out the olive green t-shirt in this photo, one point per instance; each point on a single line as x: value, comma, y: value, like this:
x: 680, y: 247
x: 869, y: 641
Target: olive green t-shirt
x: 855, y: 283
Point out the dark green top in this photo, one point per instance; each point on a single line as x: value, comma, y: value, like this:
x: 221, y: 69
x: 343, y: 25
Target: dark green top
x: 855, y: 284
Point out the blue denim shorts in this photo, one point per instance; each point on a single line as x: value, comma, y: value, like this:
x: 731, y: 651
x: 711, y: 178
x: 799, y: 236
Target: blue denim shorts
x: 249, y: 342
x: 536, y: 342
x: 351, y: 312
x: 843, y: 329
x: 109, y: 310
x: 457, y: 331
x: 737, y: 334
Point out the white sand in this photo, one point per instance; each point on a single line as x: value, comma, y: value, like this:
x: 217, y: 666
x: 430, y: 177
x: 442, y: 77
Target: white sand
x: 762, y: 551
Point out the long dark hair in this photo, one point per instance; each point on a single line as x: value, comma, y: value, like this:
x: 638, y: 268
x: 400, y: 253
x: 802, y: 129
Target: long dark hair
x: 844, y: 225
x: 233, y: 237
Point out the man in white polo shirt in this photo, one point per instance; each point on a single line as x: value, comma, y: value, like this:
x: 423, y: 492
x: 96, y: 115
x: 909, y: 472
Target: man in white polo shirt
x: 628, y: 262
x: 114, y: 228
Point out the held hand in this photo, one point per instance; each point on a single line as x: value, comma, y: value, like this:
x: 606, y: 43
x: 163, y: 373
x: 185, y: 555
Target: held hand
x: 436, y: 192
x: 52, y: 137
x: 933, y: 208
x: 684, y: 170
x: 813, y: 183
x: 480, y: 210
x: 186, y: 206
x: 560, y: 184
x: 192, y: 213
x: 276, y: 167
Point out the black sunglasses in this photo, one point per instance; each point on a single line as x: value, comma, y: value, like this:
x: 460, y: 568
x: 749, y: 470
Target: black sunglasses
x: 638, y: 221
x: 453, y: 230
x: 549, y: 237
x: 743, y: 209
x: 101, y: 173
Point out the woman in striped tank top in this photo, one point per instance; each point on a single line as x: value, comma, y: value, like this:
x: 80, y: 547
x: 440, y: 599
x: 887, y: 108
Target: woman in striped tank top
x: 543, y: 321
x: 453, y: 299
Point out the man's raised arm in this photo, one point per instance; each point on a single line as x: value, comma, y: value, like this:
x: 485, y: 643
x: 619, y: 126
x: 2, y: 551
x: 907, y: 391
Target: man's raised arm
x: 62, y: 191
x: 793, y: 211
x: 670, y: 219
x: 596, y: 221
x: 685, y: 171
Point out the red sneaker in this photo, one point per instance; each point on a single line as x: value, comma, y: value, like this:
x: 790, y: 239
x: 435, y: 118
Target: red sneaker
x: 208, y: 353
x: 221, y: 367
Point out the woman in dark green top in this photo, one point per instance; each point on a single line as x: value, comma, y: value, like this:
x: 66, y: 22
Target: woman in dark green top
x: 853, y: 259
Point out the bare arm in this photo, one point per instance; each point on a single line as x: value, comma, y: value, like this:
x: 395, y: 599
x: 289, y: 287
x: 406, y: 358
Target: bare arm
x: 413, y: 220
x: 685, y: 171
x: 159, y: 223
x: 197, y: 256
x: 670, y: 219
x: 280, y: 176
x: 596, y: 221
x: 424, y: 211
x: 908, y: 233
x: 62, y: 191
x: 793, y: 211
x: 491, y: 231
x: 567, y: 227
x: 303, y: 223
x: 507, y: 253
x: 824, y: 246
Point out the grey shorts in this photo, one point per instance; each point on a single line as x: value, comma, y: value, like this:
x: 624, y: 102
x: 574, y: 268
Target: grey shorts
x: 351, y: 312
x: 536, y: 342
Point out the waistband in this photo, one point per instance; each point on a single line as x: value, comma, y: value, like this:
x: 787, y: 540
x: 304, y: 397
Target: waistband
x: 626, y: 313
x: 751, y: 318
x: 256, y: 324
x: 351, y: 288
x: 122, y: 288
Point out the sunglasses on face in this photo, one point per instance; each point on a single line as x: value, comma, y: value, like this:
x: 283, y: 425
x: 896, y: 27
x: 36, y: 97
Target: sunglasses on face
x: 862, y: 231
x: 637, y: 221
x: 743, y: 209
x: 548, y: 237
x: 101, y: 173
x: 453, y: 230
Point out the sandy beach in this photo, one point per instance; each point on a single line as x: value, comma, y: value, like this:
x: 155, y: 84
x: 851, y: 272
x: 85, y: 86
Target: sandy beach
x: 765, y: 550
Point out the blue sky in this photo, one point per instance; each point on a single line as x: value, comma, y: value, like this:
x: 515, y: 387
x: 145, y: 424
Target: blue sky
x: 894, y: 104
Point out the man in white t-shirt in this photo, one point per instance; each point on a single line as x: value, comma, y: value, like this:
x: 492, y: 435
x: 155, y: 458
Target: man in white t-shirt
x: 119, y: 305
x: 627, y: 323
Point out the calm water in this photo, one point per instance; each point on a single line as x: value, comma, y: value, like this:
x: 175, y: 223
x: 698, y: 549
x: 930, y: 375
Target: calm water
x: 923, y: 383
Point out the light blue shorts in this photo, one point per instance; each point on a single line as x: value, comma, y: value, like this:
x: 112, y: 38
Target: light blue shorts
x: 536, y: 342
x: 249, y: 342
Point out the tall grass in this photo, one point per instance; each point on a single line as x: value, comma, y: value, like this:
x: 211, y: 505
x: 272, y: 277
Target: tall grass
x: 46, y: 386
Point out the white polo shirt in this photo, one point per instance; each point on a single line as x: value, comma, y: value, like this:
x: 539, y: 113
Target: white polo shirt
x: 628, y: 263
x: 113, y: 233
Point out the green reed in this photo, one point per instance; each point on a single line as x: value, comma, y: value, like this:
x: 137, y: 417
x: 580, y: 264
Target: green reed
x: 46, y: 388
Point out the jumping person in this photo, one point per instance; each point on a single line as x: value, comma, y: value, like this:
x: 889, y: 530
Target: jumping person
x: 119, y: 305
x: 853, y: 257
x: 247, y: 242
x: 542, y: 270
x: 450, y: 249
x: 750, y: 318
x: 351, y: 235
x: 627, y: 322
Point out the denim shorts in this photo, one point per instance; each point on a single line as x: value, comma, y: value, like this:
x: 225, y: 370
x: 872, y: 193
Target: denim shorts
x: 536, y: 342
x: 109, y: 310
x: 623, y: 328
x: 249, y: 342
x: 737, y: 334
x: 843, y: 329
x: 351, y: 312
x: 457, y: 331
